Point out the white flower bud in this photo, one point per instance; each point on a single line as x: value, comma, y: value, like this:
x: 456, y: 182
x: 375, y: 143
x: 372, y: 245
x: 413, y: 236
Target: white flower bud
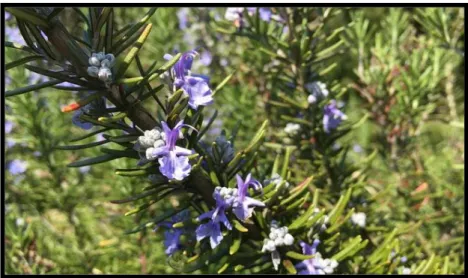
x: 158, y: 143
x: 93, y: 61
x: 288, y: 239
x: 145, y: 141
x: 279, y: 241
x: 93, y: 71
x: 149, y: 154
x: 311, y: 99
x: 104, y: 74
x: 273, y: 235
x: 268, y: 245
x: 223, y: 191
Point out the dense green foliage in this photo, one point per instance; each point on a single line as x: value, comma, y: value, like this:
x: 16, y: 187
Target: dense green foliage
x: 398, y: 75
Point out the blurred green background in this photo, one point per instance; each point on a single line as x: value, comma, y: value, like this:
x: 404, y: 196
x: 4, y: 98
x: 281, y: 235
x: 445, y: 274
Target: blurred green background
x: 61, y: 220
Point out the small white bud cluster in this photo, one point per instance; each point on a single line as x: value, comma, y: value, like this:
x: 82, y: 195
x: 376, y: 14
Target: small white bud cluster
x: 359, y: 219
x: 324, y: 266
x: 318, y: 90
x: 146, y: 144
x: 277, y: 237
x: 100, y: 65
x: 292, y: 129
x: 276, y: 179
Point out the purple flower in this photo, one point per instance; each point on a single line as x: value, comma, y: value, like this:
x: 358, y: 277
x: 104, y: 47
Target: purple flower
x: 206, y: 58
x: 332, y: 116
x: 265, y: 14
x: 7, y: 16
x: 17, y: 167
x: 308, y: 266
x: 196, y: 86
x: 316, y: 265
x: 172, y: 240
x: 184, y: 65
x: 199, y: 92
x: 243, y: 205
x: 173, y: 160
x: 212, y: 230
x: 38, y: 153
x: 9, y: 126
x: 224, y: 198
x: 172, y: 235
x: 182, y: 15
x: 174, y: 167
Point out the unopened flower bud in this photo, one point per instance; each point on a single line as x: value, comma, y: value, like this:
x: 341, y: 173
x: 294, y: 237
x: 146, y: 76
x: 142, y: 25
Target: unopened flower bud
x: 105, y: 63
x: 105, y: 74
x: 311, y: 99
x: 93, y: 61
x: 273, y: 235
x: 93, y: 71
x: 158, y: 143
x: 279, y: 241
x: 288, y: 239
x: 269, y: 246
x: 149, y: 154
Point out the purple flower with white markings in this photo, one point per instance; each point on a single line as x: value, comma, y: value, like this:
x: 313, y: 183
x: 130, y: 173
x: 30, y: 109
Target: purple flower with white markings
x: 243, y: 205
x: 199, y: 92
x: 332, y: 116
x: 17, y: 166
x: 316, y: 265
x: 195, y: 86
x: 174, y: 167
x: 173, y: 160
x: 224, y: 198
